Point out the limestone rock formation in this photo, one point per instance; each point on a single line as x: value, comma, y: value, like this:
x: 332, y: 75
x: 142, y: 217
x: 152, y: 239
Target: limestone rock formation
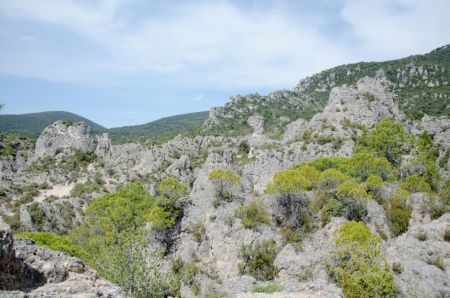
x: 27, y: 270
x: 60, y: 137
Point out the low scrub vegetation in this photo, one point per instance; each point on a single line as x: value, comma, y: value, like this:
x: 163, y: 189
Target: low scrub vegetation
x: 258, y: 260
x: 357, y: 264
x: 224, y: 181
x: 253, y: 214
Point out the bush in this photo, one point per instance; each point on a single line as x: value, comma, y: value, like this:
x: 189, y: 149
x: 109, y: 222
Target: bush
x: 269, y: 288
x: 374, y: 186
x: 438, y: 204
x: 253, y: 214
x: 171, y: 188
x: 341, y: 164
x: 290, y: 186
x: 113, y: 236
x: 365, y: 164
x: 388, y: 139
x: 352, y: 198
x: 224, y: 180
x: 55, y: 242
x: 243, y: 148
x: 259, y: 259
x: 415, y: 184
x: 37, y: 215
x: 68, y: 122
x: 288, y: 182
x: 358, y: 265
x: 330, y: 179
x: 164, y: 214
x: 398, y: 214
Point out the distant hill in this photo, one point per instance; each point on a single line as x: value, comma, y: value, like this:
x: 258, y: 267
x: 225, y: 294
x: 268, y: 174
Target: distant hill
x: 159, y: 130
x: 34, y: 123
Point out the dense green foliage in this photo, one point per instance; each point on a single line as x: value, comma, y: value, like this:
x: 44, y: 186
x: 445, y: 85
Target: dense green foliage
x: 259, y: 260
x: 55, y: 242
x: 35, y: 123
x: 160, y: 130
x: 341, y: 186
x: 113, y: 235
x: 357, y: 264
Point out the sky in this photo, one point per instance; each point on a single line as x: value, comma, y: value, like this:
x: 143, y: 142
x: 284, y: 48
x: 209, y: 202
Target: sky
x: 126, y: 62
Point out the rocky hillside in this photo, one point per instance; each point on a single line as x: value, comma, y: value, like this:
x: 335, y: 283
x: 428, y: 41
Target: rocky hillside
x: 420, y: 85
x: 334, y: 192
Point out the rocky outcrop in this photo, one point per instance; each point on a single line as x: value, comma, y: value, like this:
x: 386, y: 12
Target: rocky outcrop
x: 60, y: 137
x: 14, y: 273
x: 28, y: 270
x: 363, y: 105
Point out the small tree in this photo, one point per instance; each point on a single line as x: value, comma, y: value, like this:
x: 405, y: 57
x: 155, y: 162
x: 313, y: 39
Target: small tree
x: 388, y: 139
x: 290, y: 186
x: 224, y: 180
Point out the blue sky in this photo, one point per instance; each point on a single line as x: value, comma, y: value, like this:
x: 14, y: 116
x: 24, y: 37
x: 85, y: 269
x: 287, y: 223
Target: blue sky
x: 123, y: 62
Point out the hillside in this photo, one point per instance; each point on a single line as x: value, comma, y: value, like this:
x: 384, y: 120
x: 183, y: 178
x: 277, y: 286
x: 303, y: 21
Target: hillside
x: 334, y: 189
x: 420, y: 84
x: 34, y: 123
x: 159, y: 130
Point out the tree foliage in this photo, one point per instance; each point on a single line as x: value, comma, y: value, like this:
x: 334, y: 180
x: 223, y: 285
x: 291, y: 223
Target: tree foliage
x: 357, y: 264
x: 388, y: 139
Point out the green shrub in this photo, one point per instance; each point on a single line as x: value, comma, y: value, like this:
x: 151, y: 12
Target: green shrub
x: 243, y: 148
x: 37, y: 215
x: 398, y: 214
x: 341, y: 164
x: 330, y: 179
x: 171, y: 188
x: 388, y: 139
x: 224, y: 180
x: 164, y: 214
x: 374, y: 185
x: 55, y: 242
x: 438, y: 205
x: 68, y: 122
x: 415, y: 184
x: 288, y: 182
x: 113, y: 236
x: 269, y: 288
x: 358, y: 266
x: 259, y: 260
x: 290, y: 186
x: 253, y: 213
x: 365, y: 164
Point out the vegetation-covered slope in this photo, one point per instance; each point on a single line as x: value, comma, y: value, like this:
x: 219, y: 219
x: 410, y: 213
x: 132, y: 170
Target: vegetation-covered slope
x: 159, y: 130
x: 34, y: 123
x: 420, y: 83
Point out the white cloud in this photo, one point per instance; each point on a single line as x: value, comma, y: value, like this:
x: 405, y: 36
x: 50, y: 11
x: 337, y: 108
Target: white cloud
x: 212, y: 43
